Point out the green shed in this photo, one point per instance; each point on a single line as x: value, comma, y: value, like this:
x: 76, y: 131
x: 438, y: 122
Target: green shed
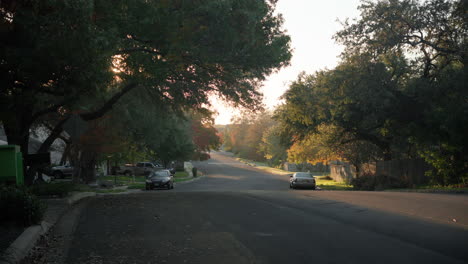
x: 11, y: 164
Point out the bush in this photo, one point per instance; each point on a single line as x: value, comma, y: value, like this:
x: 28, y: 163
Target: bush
x: 370, y: 182
x: 18, y: 205
x: 364, y: 182
x: 52, y: 189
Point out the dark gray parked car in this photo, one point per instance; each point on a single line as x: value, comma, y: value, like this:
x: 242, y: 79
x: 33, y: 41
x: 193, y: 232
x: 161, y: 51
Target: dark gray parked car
x: 160, y: 179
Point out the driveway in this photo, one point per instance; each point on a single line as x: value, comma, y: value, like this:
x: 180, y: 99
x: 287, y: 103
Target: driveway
x: 239, y: 214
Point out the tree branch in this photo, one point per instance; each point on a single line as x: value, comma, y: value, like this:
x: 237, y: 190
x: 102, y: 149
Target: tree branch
x: 54, y: 134
x: 50, y: 109
x: 109, y: 104
x: 147, y: 50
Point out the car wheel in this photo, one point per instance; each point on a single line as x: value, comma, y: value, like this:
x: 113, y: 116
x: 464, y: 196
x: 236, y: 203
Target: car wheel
x: 147, y: 187
x: 313, y: 188
x: 172, y: 185
x: 58, y: 174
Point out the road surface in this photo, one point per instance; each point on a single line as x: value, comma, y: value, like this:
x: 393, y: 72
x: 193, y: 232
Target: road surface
x: 239, y: 214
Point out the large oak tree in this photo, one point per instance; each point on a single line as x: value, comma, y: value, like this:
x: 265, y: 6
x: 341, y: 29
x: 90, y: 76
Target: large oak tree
x: 63, y: 57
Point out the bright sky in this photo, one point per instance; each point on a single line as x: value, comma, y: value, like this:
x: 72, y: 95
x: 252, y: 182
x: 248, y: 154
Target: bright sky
x: 311, y: 25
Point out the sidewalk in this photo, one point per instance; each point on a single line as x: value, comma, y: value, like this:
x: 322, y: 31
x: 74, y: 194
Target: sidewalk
x: 56, y: 208
x: 17, y: 242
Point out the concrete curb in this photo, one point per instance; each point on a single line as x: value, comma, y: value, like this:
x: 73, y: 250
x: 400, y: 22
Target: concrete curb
x: 187, y: 181
x: 28, y: 239
x: 76, y: 196
x: 191, y: 180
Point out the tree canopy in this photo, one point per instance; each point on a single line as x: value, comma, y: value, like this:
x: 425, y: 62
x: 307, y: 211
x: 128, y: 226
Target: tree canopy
x: 400, y: 87
x: 79, y: 57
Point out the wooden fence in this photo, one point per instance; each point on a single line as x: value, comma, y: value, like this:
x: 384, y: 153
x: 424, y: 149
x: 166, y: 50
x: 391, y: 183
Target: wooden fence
x: 293, y: 167
x: 410, y: 171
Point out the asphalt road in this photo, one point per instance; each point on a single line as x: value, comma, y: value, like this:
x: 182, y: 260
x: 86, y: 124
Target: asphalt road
x: 238, y: 214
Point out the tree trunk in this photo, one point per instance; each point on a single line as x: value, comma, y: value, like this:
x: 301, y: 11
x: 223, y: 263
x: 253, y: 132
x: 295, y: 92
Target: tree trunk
x: 358, y: 170
x: 87, y: 164
x: 387, y: 153
x: 83, y: 162
x: 66, y: 154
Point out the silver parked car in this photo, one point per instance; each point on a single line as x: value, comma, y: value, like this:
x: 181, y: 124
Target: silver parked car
x: 302, y: 179
x: 59, y: 172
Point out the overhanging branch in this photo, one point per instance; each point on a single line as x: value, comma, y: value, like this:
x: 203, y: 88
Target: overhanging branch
x: 109, y: 104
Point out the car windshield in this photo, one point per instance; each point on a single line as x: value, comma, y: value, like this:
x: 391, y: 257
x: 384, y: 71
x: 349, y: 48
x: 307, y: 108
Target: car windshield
x: 304, y: 175
x: 159, y: 174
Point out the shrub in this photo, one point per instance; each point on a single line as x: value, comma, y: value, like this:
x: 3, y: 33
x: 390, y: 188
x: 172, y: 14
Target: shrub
x: 205, y: 156
x: 385, y: 182
x: 365, y: 182
x: 370, y: 182
x: 52, y: 189
x: 201, y: 156
x: 20, y: 206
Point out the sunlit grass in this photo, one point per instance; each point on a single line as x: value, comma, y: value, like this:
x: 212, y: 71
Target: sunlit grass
x: 327, y: 184
x: 264, y: 166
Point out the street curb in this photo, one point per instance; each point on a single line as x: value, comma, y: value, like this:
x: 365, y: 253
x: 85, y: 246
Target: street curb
x: 191, y: 180
x: 28, y: 239
x: 76, y: 196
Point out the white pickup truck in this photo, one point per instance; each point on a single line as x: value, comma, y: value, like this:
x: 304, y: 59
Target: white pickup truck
x: 141, y: 168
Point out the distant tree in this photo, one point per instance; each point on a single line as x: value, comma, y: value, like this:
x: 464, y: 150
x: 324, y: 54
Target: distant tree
x: 244, y: 136
x: 204, y: 134
x: 345, y: 97
x: 271, y: 146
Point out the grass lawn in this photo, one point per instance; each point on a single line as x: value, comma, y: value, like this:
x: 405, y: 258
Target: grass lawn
x: 181, y: 179
x: 111, y: 191
x: 181, y: 174
x: 327, y: 184
x: 123, y: 179
x: 136, y: 186
x: 60, y: 189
